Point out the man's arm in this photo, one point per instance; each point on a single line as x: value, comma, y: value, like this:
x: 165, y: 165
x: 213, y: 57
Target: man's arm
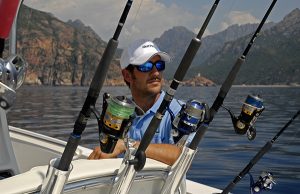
x: 166, y: 153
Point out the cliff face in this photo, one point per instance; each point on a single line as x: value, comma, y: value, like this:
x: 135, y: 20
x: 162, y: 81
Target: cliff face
x: 273, y: 59
x: 210, y: 44
x: 67, y: 53
x: 59, y: 53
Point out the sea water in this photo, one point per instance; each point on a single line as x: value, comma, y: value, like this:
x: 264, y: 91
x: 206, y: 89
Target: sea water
x: 222, y: 154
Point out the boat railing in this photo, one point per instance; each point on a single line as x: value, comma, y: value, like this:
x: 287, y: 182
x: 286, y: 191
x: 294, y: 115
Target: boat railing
x: 8, y: 162
x: 8, y: 71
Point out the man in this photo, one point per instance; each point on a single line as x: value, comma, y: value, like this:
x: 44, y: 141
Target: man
x: 142, y: 65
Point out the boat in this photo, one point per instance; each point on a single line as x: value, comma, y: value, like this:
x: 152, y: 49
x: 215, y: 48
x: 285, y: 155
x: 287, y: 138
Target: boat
x: 35, y: 163
x: 28, y: 160
x: 33, y: 151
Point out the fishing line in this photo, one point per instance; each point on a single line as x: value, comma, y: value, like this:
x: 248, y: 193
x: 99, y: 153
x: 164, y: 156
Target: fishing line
x: 177, y: 79
x: 129, y: 37
x: 93, y: 93
x: 270, y: 169
x: 258, y: 156
x: 134, y: 19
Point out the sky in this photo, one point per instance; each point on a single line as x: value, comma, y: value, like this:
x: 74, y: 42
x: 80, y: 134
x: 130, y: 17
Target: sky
x: 150, y: 18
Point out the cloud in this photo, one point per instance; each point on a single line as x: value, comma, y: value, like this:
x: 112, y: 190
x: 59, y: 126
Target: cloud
x: 237, y: 17
x: 147, y: 18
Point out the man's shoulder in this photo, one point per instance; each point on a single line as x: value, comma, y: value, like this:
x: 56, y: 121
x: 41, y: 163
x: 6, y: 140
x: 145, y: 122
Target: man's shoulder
x: 175, y: 104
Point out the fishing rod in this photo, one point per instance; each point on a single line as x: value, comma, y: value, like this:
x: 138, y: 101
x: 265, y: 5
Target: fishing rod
x: 192, y: 114
x: 182, y: 164
x: 93, y: 93
x: 228, y: 83
x: 258, y: 156
x: 134, y: 160
x: 12, y: 75
x: 59, y: 169
x: 178, y: 77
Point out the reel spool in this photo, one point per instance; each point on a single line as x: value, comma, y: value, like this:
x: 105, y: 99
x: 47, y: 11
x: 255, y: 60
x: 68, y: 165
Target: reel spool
x: 251, y: 110
x: 115, y: 120
x: 191, y: 115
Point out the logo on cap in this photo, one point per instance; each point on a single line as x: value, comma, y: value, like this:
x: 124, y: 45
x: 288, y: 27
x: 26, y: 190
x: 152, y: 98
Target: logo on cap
x: 146, y: 46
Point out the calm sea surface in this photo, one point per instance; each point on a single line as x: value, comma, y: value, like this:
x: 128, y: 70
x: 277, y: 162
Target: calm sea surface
x: 221, y: 155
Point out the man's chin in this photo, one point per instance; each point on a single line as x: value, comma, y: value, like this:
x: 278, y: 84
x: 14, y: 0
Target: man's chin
x: 154, y: 89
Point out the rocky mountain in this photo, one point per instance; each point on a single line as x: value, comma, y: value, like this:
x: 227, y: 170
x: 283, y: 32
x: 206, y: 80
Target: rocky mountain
x: 67, y: 53
x: 60, y: 53
x: 63, y: 53
x: 273, y: 59
x: 210, y: 44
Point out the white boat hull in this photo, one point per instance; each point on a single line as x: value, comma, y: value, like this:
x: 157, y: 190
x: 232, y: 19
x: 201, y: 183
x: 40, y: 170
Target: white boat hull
x: 34, y: 151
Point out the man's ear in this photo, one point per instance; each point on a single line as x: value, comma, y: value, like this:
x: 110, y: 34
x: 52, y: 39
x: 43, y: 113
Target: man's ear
x: 126, y: 75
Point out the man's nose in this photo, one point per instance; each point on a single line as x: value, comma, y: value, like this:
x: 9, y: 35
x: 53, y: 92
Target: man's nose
x: 154, y: 70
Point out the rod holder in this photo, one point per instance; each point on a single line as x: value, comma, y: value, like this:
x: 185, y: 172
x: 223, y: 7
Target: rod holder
x: 126, y: 173
x: 55, y: 179
x: 178, y: 170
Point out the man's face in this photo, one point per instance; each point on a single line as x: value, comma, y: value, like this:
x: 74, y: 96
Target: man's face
x: 146, y: 83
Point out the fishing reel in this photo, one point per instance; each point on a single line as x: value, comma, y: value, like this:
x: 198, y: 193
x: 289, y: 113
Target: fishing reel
x: 251, y: 109
x: 189, y: 118
x: 265, y: 182
x: 114, y: 121
x: 12, y: 71
x: 12, y: 75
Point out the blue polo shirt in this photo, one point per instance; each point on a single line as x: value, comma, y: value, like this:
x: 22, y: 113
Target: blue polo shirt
x: 163, y: 133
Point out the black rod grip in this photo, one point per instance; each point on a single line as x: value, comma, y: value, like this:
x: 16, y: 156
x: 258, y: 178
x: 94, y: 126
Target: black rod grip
x: 198, y: 136
x: 227, y: 84
x: 90, y: 101
x: 93, y: 94
x: 187, y: 59
x: 102, y: 68
x: 147, y: 137
x: 178, y: 77
x: 68, y: 154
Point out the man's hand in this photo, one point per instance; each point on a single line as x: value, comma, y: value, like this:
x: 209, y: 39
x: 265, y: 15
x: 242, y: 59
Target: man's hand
x: 98, y: 154
x: 166, y: 153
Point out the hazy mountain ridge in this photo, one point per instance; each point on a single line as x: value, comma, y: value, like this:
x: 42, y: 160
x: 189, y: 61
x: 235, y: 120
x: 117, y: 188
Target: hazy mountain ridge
x: 176, y: 40
x: 67, y: 53
x: 273, y: 59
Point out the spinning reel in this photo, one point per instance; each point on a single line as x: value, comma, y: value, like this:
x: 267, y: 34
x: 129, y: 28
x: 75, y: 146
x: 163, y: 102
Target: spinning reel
x: 114, y: 121
x: 251, y: 110
x: 12, y: 75
x: 265, y: 182
x: 189, y: 118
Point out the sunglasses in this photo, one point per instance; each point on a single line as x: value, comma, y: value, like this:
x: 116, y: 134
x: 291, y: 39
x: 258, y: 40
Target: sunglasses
x: 148, y: 66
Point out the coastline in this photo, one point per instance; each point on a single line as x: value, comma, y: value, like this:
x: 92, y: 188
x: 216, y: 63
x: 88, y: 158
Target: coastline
x: 268, y: 86
x: 185, y: 85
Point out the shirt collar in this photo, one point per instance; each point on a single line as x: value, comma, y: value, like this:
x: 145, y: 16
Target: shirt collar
x: 154, y: 108
x: 156, y: 105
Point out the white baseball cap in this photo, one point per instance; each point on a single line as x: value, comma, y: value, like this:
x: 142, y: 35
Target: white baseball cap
x: 140, y: 51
